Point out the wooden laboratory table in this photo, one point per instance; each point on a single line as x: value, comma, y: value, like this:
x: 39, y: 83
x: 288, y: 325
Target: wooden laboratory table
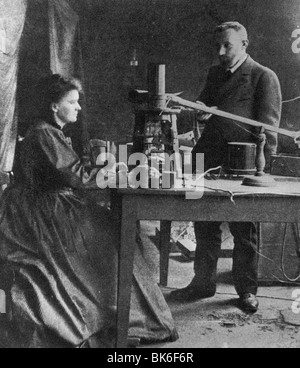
x: 280, y: 204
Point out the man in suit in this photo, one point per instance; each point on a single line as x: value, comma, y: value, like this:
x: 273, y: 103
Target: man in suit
x: 241, y: 86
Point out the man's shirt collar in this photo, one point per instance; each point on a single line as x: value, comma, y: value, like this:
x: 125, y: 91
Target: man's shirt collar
x: 238, y: 64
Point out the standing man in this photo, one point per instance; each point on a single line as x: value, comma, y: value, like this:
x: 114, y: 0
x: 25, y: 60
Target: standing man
x: 241, y: 86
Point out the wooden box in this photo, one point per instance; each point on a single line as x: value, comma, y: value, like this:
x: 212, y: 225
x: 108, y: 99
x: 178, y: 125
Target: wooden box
x: 285, y: 165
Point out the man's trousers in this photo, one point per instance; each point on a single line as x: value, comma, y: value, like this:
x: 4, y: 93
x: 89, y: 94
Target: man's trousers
x: 245, y: 256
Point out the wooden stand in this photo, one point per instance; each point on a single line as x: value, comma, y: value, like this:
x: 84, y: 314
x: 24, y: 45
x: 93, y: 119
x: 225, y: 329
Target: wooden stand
x: 260, y: 179
x: 155, y: 132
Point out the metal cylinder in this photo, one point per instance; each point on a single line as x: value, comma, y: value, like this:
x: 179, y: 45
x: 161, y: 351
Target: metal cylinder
x: 156, y: 79
x: 241, y: 158
x: 157, y: 85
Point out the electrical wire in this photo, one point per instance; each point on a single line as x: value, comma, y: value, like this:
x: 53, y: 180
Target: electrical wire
x: 286, y: 282
x: 292, y: 100
x: 246, y: 130
x: 231, y: 194
x: 282, y: 268
x: 283, y: 255
x: 260, y: 296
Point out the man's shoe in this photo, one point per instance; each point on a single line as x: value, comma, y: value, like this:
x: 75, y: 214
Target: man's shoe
x: 191, y: 293
x: 249, y: 303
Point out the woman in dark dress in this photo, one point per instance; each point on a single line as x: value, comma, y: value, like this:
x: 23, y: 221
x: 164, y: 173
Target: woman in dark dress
x: 58, y: 249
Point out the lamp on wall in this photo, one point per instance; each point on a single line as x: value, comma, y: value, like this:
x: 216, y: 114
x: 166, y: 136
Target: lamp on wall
x: 134, y: 61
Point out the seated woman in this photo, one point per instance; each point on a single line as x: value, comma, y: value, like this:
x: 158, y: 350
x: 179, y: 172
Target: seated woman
x: 58, y: 250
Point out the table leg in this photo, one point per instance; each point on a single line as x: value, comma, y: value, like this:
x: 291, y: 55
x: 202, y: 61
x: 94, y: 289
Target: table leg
x: 126, y: 262
x: 165, y: 249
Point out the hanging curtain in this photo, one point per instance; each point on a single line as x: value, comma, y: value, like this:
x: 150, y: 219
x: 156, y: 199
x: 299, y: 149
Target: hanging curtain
x: 12, y: 19
x: 63, y: 25
x: 66, y: 58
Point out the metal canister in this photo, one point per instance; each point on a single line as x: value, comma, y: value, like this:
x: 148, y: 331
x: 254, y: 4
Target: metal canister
x: 241, y: 158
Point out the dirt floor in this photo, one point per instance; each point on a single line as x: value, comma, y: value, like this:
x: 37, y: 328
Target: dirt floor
x: 218, y: 322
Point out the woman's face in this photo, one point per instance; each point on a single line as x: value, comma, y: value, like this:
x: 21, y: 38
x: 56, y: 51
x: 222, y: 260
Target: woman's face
x: 67, y: 109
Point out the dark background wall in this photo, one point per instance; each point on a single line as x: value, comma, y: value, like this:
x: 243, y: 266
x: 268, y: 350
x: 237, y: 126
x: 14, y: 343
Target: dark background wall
x: 34, y: 60
x: 175, y: 32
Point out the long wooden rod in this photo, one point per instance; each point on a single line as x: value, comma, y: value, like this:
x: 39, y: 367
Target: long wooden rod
x: 227, y: 115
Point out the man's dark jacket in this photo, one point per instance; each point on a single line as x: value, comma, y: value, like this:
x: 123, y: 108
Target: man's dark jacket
x: 253, y: 91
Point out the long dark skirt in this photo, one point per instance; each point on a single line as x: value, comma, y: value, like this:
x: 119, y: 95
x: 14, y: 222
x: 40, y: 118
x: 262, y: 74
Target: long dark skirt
x: 58, y: 268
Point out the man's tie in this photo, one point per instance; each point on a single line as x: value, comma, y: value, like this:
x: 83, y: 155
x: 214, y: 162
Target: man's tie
x: 228, y: 75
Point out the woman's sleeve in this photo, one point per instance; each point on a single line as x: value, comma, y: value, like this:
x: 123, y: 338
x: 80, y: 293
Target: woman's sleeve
x: 63, y: 158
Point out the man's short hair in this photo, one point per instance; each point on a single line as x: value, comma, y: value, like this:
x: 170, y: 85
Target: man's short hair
x: 239, y: 28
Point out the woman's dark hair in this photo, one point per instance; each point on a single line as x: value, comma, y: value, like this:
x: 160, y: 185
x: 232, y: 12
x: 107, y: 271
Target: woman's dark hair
x: 52, y: 89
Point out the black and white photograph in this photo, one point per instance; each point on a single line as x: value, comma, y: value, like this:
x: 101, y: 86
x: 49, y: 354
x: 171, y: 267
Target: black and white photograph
x: 150, y: 176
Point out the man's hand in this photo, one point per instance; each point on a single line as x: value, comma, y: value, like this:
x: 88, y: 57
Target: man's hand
x: 182, y: 108
x: 203, y: 116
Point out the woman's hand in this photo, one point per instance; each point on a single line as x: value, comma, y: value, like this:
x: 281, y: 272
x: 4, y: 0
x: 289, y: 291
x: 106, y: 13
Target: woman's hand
x: 154, y: 173
x: 121, y: 167
x: 110, y: 177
